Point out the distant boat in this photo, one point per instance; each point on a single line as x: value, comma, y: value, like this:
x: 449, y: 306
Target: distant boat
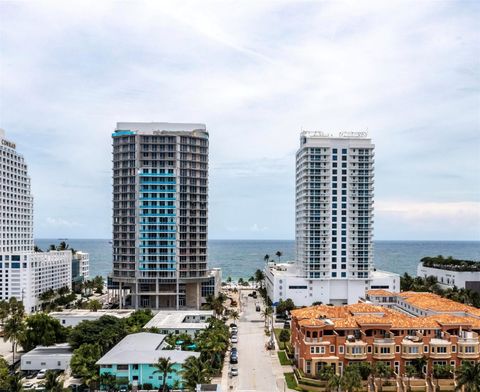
x: 62, y: 239
x: 110, y: 242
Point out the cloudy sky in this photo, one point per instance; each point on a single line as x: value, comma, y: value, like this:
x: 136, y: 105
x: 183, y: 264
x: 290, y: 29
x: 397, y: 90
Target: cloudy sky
x: 256, y: 72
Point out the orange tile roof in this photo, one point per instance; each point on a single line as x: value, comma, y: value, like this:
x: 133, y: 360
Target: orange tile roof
x: 430, y: 301
x: 380, y: 293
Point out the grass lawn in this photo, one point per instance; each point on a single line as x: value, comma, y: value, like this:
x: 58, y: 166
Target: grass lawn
x: 283, y: 358
x: 290, y: 379
x: 281, y: 345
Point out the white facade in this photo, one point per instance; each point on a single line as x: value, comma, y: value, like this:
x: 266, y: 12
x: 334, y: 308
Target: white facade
x: 286, y: 280
x: 24, y: 274
x: 51, y: 358
x: 334, y: 214
x: 180, y: 321
x: 71, y: 318
x: 82, y: 270
x: 449, y: 279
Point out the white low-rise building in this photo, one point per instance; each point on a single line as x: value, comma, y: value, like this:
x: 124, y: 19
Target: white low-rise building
x: 51, y: 358
x: 285, y: 280
x: 449, y: 278
x: 71, y: 318
x: 180, y: 321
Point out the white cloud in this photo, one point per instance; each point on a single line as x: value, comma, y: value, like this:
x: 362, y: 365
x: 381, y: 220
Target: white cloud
x: 255, y: 73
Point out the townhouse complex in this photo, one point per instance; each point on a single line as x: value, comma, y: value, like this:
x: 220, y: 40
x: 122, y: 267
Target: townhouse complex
x: 395, y: 328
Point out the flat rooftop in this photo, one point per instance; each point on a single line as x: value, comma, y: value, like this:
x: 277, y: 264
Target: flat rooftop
x: 159, y: 126
x: 83, y: 313
x: 42, y: 351
x: 179, y: 319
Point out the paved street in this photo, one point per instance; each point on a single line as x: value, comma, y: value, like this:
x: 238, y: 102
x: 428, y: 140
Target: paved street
x: 258, y: 369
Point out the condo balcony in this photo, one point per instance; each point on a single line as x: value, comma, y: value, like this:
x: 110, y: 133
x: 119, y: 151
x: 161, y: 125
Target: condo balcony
x: 384, y: 348
x: 468, y: 345
x: 440, y: 349
x: 412, y: 347
x: 355, y: 349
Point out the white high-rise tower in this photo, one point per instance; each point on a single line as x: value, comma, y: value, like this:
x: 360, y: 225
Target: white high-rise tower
x: 24, y: 274
x: 334, y: 225
x: 334, y: 213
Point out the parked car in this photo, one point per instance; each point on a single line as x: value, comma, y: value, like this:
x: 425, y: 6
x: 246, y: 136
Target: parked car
x: 31, y: 375
x: 234, y: 372
x: 234, y: 350
x: 233, y: 325
x: 234, y: 339
x: 257, y: 308
x: 42, y: 374
x: 233, y: 358
x: 28, y: 386
x: 286, y: 324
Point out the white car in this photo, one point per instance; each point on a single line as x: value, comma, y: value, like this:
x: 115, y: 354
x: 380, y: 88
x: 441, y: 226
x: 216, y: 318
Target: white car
x: 42, y: 374
x: 234, y: 339
x: 234, y: 372
x: 28, y: 385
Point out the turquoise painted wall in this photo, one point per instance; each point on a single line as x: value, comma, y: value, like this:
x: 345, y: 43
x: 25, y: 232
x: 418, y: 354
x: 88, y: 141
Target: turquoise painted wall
x: 143, y: 373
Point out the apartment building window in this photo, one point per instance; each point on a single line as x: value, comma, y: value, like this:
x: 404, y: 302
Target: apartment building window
x: 425, y: 349
x: 340, y: 349
x: 369, y: 349
x: 308, y: 367
x: 332, y: 349
x: 454, y: 349
x: 397, y: 349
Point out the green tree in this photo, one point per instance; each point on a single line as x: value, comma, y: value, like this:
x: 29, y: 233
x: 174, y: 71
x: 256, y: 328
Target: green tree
x: 381, y: 370
x: 4, y: 310
x: 351, y: 380
x: 4, y: 374
x: 13, y: 331
x: 468, y: 377
x: 52, y: 384
x: 267, y: 313
x: 266, y: 258
x: 42, y: 330
x: 195, y: 371
x: 284, y: 336
x: 109, y: 381
x: 107, y: 331
x: 94, y: 305
x: 326, y: 373
x: 164, y: 366
x: 365, y: 369
x: 98, y: 284
x: 410, y: 371
x: 83, y: 362
x: 15, y: 383
x: 334, y: 383
x: 229, y: 279
x: 16, y: 308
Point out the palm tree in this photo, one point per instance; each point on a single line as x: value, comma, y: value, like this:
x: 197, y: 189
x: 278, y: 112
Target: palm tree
x: 382, y: 370
x: 326, y: 372
x: 266, y: 313
x: 15, y: 383
x: 37, y: 249
x: 94, y: 305
x: 52, y: 384
x: 266, y: 258
x: 194, y: 372
x: 334, y: 383
x: 278, y: 254
x: 4, y: 311
x: 164, y: 366
x: 351, y: 380
x: 13, y: 330
x: 468, y: 377
x: 234, y: 315
x: 410, y: 371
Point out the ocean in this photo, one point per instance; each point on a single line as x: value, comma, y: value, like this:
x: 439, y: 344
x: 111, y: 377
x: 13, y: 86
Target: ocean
x: 241, y: 258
